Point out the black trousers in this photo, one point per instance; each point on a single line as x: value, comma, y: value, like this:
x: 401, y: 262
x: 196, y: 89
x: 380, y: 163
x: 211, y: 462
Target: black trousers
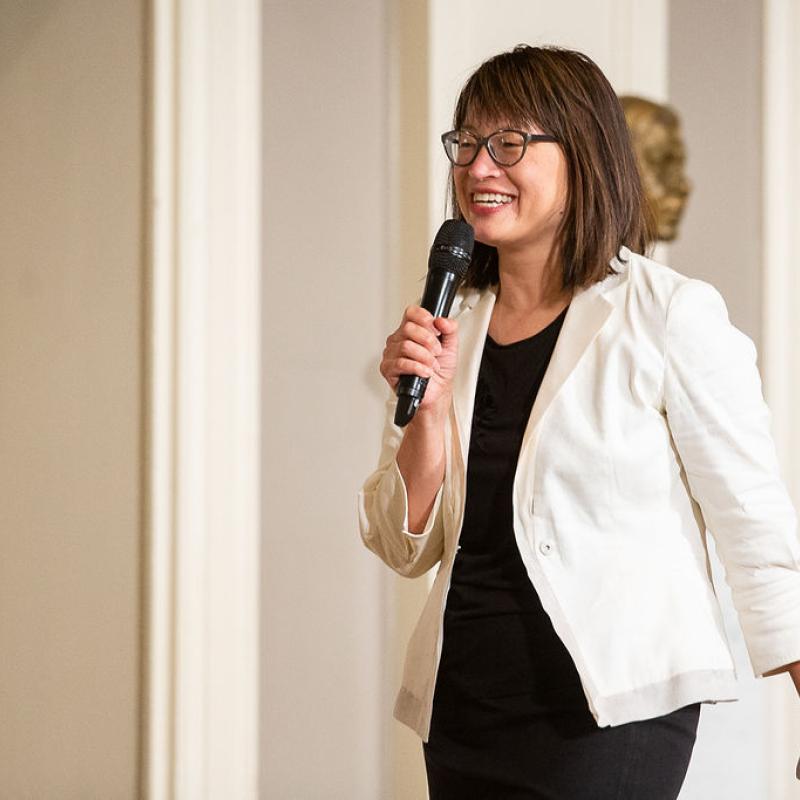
x: 565, y: 756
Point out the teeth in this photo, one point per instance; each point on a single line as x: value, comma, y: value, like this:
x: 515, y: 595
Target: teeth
x: 491, y: 198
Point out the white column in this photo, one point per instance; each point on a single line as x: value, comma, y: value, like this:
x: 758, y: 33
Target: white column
x: 781, y: 318
x: 202, y: 515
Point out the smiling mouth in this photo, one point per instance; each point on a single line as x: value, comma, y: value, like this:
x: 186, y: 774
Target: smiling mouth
x: 491, y: 199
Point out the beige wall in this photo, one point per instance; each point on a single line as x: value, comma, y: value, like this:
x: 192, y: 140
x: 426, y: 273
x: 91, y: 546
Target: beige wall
x: 325, y: 694
x: 70, y: 328
x: 715, y: 79
x: 409, y: 218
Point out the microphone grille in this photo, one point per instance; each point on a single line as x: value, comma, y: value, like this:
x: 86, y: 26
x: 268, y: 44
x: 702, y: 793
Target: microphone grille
x: 456, y: 233
x: 452, y: 247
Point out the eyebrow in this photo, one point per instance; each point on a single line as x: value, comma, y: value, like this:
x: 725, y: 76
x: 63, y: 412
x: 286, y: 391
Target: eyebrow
x: 508, y: 127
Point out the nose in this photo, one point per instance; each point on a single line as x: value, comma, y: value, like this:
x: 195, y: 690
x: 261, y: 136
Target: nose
x: 483, y: 166
x: 679, y: 186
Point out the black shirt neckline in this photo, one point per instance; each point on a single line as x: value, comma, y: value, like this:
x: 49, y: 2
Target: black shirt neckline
x: 522, y: 342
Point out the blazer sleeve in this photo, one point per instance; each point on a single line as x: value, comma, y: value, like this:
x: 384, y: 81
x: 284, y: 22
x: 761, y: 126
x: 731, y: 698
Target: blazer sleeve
x: 721, y: 428
x: 383, y: 512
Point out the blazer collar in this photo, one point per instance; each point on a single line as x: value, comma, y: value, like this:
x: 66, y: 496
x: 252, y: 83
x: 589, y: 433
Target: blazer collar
x: 588, y: 311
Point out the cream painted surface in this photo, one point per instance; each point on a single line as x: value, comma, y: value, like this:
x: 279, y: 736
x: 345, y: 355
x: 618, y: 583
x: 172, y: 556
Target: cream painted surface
x: 781, y: 314
x: 326, y: 700
x: 408, y: 254
x: 780, y: 308
x: 71, y: 155
x: 203, y: 449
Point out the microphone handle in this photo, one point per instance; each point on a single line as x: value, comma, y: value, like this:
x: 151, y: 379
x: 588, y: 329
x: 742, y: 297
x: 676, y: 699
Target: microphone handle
x: 440, y: 291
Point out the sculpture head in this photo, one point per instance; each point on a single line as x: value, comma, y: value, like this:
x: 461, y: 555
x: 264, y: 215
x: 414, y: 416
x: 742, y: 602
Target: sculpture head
x: 656, y: 134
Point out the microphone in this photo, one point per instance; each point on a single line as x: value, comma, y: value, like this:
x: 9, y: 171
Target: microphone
x: 449, y: 258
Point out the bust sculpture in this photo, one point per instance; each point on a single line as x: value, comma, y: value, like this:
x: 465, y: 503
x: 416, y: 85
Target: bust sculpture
x: 656, y: 134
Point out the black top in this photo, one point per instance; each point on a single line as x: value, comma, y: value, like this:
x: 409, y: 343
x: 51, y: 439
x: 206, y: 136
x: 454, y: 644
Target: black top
x: 500, y: 653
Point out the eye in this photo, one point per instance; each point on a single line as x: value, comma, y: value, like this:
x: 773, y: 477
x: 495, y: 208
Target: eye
x: 510, y: 142
x: 464, y: 141
x: 460, y: 146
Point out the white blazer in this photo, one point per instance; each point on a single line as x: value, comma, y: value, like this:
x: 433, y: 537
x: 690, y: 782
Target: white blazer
x: 649, y: 425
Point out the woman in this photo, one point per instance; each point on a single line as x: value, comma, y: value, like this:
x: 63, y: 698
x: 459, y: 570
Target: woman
x: 588, y: 413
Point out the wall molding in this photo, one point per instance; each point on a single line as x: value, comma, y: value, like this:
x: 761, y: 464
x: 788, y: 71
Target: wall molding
x: 202, y: 519
x: 638, y: 52
x: 781, y: 302
x: 781, y: 316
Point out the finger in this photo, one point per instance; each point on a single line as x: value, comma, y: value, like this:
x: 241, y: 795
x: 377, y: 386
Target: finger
x: 407, y: 366
x: 416, y: 352
x: 416, y: 333
x: 408, y: 350
x: 446, y: 326
x: 448, y: 332
x: 385, y: 371
x: 419, y: 315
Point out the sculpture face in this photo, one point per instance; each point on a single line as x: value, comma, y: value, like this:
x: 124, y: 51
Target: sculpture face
x: 656, y: 135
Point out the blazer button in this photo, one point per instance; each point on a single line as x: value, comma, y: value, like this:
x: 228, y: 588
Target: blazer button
x: 545, y: 548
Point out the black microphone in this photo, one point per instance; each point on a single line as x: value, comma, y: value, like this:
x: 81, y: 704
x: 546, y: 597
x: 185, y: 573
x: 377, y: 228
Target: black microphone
x: 449, y: 258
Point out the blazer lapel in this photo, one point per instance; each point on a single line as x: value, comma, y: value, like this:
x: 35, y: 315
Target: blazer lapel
x: 588, y: 311
x: 586, y: 315
x: 473, y: 324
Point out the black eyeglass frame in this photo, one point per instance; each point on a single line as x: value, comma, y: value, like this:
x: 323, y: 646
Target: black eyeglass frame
x: 484, y: 140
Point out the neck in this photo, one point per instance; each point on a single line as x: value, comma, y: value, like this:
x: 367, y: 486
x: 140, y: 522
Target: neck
x: 530, y: 280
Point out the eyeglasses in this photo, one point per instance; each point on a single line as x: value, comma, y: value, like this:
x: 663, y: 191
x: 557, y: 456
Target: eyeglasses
x: 506, y: 147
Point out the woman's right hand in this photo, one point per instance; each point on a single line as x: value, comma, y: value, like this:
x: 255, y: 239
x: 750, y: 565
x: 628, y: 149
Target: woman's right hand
x: 425, y: 346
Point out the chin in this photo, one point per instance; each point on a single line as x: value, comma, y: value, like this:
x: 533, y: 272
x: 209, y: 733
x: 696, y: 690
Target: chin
x: 486, y: 230
x: 489, y: 241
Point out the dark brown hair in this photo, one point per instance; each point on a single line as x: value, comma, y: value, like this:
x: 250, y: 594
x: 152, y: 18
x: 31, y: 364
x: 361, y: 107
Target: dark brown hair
x: 565, y: 94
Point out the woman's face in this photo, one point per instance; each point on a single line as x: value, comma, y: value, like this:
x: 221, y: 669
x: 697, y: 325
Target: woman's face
x: 515, y: 208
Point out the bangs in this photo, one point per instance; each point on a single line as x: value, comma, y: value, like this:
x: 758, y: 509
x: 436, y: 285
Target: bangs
x: 506, y: 92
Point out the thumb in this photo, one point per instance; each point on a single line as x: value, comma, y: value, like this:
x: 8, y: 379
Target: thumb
x: 447, y: 327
